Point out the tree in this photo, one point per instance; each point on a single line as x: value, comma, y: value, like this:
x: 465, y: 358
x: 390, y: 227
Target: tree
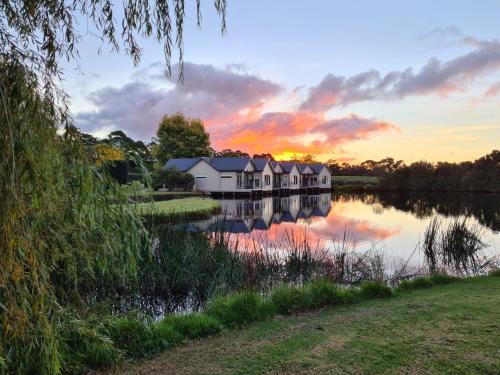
x: 263, y: 156
x: 228, y: 153
x: 62, y: 230
x: 181, y: 137
x: 136, y: 152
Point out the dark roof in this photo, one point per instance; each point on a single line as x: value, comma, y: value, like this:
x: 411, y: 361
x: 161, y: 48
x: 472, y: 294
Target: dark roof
x: 182, y: 165
x: 287, y: 217
x: 302, y: 166
x: 260, y: 224
x: 260, y: 163
x: 287, y: 166
x: 316, y: 167
x: 274, y: 164
x: 229, y: 164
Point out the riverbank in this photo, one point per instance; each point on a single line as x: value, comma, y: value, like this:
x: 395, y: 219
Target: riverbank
x: 191, y: 208
x: 446, y: 329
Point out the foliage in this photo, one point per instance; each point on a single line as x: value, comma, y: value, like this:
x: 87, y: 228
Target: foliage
x: 263, y: 156
x: 192, y: 326
x: 135, y: 337
x: 375, y: 289
x: 86, y: 344
x: 315, y: 294
x: 228, y: 153
x: 495, y: 272
x: 482, y: 174
x: 59, y: 237
x: 181, y: 137
x: 241, y: 308
x: 427, y: 282
x: 38, y: 34
x: 172, y: 179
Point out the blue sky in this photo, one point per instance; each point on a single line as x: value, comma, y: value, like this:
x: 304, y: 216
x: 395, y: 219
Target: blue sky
x: 276, y: 53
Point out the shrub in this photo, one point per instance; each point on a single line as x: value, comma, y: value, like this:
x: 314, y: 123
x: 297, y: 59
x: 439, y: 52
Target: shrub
x: 441, y: 279
x: 418, y: 283
x: 495, y: 273
x: 240, y: 308
x: 191, y: 325
x: 173, y: 179
x: 374, y: 289
x: 321, y: 293
x: 287, y: 298
x: 135, y: 337
x: 86, y: 346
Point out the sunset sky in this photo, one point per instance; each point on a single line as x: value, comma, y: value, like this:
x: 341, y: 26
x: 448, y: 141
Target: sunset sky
x: 345, y: 80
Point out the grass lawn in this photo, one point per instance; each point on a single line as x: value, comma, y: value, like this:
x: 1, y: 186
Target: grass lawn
x: 448, y: 329
x: 354, y: 180
x: 191, y: 204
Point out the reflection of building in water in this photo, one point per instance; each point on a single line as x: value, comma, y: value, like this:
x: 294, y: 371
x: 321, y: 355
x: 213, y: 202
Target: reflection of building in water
x: 243, y: 215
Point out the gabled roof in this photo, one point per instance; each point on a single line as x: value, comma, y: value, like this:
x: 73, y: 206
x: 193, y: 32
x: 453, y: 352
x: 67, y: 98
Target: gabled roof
x: 302, y: 167
x: 317, y: 167
x: 260, y: 163
x: 287, y: 166
x: 182, y: 165
x: 276, y: 165
x: 231, y: 164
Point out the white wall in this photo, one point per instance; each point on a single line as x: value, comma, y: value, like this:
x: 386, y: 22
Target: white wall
x: 267, y: 172
x: 294, y: 172
x: 325, y: 172
x: 206, y: 177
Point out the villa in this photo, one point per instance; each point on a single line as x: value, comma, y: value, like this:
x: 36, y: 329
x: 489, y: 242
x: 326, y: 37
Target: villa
x: 247, y: 176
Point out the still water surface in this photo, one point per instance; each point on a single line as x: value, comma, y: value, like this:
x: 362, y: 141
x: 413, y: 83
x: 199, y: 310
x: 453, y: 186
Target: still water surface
x: 392, y: 222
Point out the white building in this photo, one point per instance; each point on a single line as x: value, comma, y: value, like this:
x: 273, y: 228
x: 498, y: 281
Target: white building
x: 233, y: 175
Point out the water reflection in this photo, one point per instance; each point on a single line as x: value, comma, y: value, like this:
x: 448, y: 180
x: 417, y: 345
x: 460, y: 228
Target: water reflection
x: 395, y: 221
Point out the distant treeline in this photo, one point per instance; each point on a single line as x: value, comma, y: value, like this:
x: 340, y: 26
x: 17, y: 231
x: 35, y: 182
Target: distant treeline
x: 482, y: 174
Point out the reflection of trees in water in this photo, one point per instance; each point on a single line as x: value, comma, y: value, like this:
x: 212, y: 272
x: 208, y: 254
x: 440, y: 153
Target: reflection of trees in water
x: 485, y: 208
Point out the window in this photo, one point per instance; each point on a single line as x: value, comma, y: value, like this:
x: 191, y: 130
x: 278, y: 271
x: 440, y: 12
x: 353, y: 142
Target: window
x: 227, y: 176
x: 257, y: 181
x: 239, y: 180
x: 267, y: 180
x: 295, y: 180
x: 323, y: 180
x: 201, y: 177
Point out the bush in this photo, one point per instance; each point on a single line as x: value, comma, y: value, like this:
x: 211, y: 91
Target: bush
x: 418, y: 283
x: 287, y: 299
x: 87, y: 347
x: 190, y: 326
x: 321, y: 293
x: 240, y: 308
x: 495, y: 273
x: 172, y: 179
x: 441, y: 279
x: 136, y: 338
x: 374, y: 289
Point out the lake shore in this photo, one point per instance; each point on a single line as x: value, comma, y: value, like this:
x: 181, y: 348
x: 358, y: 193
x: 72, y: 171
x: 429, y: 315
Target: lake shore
x: 447, y: 329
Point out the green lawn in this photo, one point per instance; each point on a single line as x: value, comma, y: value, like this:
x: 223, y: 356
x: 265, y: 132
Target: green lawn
x: 191, y: 204
x: 448, y: 329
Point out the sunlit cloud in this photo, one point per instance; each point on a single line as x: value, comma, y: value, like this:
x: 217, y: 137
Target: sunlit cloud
x: 234, y: 106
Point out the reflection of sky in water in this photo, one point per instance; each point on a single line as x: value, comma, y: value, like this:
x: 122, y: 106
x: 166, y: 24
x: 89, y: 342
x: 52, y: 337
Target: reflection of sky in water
x: 369, y: 220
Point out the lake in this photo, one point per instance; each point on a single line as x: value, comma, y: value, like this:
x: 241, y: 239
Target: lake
x: 392, y: 223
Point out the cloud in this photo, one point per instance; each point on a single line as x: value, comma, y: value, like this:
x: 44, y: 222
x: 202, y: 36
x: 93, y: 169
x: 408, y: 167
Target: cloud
x: 493, y: 90
x: 230, y: 101
x: 434, y: 78
x: 206, y: 92
x: 296, y: 132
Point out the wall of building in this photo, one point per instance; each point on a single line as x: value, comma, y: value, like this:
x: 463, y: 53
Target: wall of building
x: 207, y: 178
x: 294, y: 172
x: 325, y: 173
